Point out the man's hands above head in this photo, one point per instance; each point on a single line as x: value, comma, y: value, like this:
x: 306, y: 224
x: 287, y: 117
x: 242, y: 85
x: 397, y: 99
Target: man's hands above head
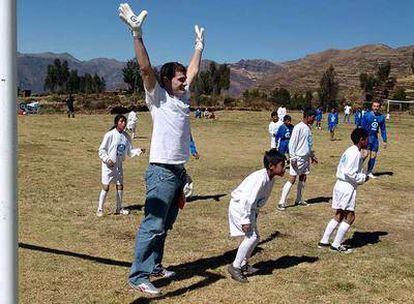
x: 134, y: 22
x: 199, y: 41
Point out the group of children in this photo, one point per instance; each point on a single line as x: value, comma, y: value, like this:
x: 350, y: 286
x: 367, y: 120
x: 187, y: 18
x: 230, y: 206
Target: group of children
x: 251, y: 195
x: 254, y: 191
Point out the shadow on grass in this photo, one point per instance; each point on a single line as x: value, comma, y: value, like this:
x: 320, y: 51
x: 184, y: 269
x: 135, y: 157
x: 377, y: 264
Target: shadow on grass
x: 360, y: 239
x: 75, y: 255
x: 387, y: 173
x: 215, y: 197
x: 134, y: 207
x: 315, y: 200
x: 319, y: 199
x: 200, y: 267
x: 283, y: 262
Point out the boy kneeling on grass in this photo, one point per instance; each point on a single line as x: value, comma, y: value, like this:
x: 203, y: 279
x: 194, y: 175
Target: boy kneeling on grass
x: 349, y: 176
x: 245, y: 203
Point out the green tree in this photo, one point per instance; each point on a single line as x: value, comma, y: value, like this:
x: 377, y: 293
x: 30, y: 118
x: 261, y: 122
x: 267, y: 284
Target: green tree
x: 73, y: 83
x: 132, y: 76
x: 280, y: 96
x: 51, y: 78
x: 328, y: 87
x: 399, y: 94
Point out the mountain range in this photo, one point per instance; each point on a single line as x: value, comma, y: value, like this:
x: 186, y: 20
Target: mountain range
x: 301, y: 74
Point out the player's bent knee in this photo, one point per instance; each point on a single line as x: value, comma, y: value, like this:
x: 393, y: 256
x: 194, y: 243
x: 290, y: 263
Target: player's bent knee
x: 105, y: 187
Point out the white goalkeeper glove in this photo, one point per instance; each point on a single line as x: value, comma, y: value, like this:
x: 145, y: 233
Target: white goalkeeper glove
x: 134, y: 22
x: 199, y: 43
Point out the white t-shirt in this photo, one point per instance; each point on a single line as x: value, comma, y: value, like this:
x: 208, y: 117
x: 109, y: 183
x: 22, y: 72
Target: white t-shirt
x: 281, y: 112
x: 300, y: 144
x: 171, y: 126
x: 250, y: 195
x: 273, y: 127
x: 347, y: 109
x: 350, y: 167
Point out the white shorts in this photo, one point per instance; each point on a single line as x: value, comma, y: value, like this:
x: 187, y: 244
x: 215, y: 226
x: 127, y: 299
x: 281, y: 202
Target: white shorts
x: 343, y: 196
x: 115, y: 174
x: 303, y: 166
x: 235, y: 218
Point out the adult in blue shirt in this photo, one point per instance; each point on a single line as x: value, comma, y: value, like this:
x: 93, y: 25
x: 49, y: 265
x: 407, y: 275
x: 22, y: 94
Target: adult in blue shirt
x: 373, y: 121
x: 358, y: 117
x: 282, y: 136
x: 332, y: 122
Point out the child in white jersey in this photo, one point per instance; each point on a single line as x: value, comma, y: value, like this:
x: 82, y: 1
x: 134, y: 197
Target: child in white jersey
x: 349, y: 176
x: 115, y: 145
x: 132, y: 121
x: 274, y: 125
x: 244, y: 207
x: 301, y: 155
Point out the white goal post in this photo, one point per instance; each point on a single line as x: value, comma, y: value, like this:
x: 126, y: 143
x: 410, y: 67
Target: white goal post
x: 400, y: 102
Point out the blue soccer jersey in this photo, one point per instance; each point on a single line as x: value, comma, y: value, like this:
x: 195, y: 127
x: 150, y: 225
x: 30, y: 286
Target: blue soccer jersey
x: 332, y: 120
x: 282, y: 138
x: 318, y: 116
x: 358, y: 118
x: 373, y: 122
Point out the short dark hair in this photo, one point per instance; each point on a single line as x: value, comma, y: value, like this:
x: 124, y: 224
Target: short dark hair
x: 307, y: 112
x: 273, y: 157
x: 358, y: 134
x: 286, y: 118
x: 117, y: 119
x: 274, y: 113
x: 169, y: 69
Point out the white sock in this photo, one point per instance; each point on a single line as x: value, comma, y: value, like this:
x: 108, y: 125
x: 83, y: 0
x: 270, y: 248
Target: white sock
x: 328, y: 231
x: 118, y: 199
x: 285, y: 192
x: 299, y: 191
x: 102, y: 199
x: 340, y: 234
x: 246, y: 246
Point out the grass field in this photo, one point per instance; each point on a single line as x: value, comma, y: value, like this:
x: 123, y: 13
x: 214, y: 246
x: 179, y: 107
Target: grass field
x: 68, y: 255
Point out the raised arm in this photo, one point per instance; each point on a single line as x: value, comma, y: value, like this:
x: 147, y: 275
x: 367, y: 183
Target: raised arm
x: 194, y: 66
x: 135, y: 24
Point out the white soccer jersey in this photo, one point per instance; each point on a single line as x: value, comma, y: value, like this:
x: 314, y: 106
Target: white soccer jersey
x: 115, y: 146
x: 281, y: 112
x: 273, y: 127
x: 347, y: 109
x: 171, y: 126
x: 350, y: 167
x: 249, y: 197
x: 132, y: 120
x: 300, y: 144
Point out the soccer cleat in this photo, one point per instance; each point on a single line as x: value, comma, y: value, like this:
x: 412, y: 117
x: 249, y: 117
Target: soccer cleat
x: 323, y: 245
x: 341, y: 249
x: 146, y: 287
x: 237, y: 274
x: 371, y: 175
x: 249, y: 270
x: 99, y: 213
x: 302, y: 203
x: 122, y: 211
x: 163, y: 273
x: 281, y: 207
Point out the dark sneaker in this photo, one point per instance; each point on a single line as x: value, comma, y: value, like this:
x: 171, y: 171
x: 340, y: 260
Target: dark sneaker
x: 249, y: 270
x: 163, y: 273
x: 237, y: 274
x: 302, y: 203
x: 323, y: 245
x: 281, y: 207
x: 341, y: 249
x: 146, y: 287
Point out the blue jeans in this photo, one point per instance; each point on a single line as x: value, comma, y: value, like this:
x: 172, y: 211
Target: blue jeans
x: 164, y: 184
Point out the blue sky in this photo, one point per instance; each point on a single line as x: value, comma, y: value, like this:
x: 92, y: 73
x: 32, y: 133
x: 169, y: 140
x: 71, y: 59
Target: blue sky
x: 272, y: 30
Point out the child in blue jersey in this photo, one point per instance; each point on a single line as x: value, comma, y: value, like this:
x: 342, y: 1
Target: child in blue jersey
x: 332, y: 122
x: 283, y: 135
x: 373, y: 121
x: 318, y: 118
x: 358, y: 117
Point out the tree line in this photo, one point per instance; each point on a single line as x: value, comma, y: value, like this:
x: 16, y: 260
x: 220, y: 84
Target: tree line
x: 60, y: 79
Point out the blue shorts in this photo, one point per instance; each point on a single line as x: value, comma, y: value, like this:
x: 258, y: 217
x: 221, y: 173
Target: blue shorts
x: 373, y: 144
x: 331, y: 127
